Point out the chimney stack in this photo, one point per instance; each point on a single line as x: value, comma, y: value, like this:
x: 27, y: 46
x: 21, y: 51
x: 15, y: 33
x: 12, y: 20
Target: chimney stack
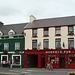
x: 32, y: 18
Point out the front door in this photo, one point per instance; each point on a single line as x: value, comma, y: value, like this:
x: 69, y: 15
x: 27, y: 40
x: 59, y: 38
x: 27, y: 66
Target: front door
x: 62, y: 62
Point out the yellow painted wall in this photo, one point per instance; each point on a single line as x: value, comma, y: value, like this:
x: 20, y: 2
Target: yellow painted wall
x: 64, y: 37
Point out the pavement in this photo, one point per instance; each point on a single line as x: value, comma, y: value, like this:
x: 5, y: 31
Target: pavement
x: 44, y: 70
x: 36, y: 71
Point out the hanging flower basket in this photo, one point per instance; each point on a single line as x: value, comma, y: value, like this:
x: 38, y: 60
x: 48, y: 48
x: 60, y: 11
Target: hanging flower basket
x: 17, y: 51
x: 71, y: 33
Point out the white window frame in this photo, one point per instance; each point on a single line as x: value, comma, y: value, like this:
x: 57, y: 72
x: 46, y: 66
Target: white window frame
x: 4, y: 55
x: 17, y: 46
x: 6, y: 46
x: 12, y: 59
x: 11, y: 33
x: 1, y: 34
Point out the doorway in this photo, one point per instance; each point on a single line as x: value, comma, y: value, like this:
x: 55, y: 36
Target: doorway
x: 62, y: 61
x: 42, y: 61
x: 32, y: 61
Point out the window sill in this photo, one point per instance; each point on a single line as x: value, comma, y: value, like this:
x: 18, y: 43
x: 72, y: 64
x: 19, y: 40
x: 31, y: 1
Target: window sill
x: 58, y: 35
x: 34, y: 36
x: 46, y: 36
x: 70, y: 35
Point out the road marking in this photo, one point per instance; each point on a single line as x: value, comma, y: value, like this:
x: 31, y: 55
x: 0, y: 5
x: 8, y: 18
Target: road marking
x: 31, y: 70
x: 25, y: 72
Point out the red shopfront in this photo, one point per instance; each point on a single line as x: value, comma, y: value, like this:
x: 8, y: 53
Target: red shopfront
x: 61, y: 58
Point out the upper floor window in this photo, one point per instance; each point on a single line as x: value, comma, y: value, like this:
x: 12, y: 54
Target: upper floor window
x: 58, y: 30
x: 17, y: 46
x: 46, y: 43
x: 6, y: 46
x: 58, y: 43
x: 11, y: 33
x: 71, y: 30
x: 71, y: 43
x: 34, y: 44
x: 34, y: 32
x: 46, y: 31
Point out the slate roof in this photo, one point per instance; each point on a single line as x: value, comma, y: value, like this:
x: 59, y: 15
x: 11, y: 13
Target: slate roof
x: 18, y: 28
x: 52, y: 22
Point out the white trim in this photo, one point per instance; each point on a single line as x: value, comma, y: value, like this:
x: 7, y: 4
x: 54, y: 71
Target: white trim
x: 12, y: 59
x: 1, y: 52
x: 4, y: 55
x: 11, y: 52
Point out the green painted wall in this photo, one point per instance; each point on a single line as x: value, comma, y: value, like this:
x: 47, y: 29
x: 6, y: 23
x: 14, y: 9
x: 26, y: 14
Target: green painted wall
x: 12, y: 43
x: 12, y: 47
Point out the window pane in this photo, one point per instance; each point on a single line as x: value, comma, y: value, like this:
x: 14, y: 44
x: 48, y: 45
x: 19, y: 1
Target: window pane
x: 46, y: 31
x: 34, y: 32
x: 71, y: 29
x: 58, y: 43
x: 46, y: 43
x: 34, y: 42
x: 6, y: 46
x: 58, y: 30
x: 71, y: 43
x: 17, y: 46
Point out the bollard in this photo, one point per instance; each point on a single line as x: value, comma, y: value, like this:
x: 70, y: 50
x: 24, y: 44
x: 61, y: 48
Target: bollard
x: 11, y: 73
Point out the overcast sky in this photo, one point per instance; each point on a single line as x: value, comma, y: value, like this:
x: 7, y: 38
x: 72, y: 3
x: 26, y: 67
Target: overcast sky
x: 18, y: 11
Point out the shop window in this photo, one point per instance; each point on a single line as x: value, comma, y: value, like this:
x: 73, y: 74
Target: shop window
x: 52, y: 58
x: 6, y: 46
x: 71, y: 43
x: 16, y: 59
x: 4, y: 57
x: 58, y: 31
x: 46, y: 44
x: 17, y: 46
x: 58, y: 43
x: 34, y: 32
x: 46, y: 31
x: 34, y: 44
x: 71, y: 30
x: 71, y: 59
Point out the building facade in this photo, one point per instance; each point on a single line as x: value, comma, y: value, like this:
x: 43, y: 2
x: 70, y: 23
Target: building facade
x: 52, y: 39
x: 12, y: 44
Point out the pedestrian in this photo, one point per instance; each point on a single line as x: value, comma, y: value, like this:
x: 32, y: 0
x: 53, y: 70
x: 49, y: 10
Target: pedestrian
x: 4, y: 62
x: 48, y: 64
x: 51, y: 65
x: 9, y: 63
x: 1, y: 63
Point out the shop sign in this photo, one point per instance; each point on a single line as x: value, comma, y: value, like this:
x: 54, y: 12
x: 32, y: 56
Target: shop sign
x: 58, y: 51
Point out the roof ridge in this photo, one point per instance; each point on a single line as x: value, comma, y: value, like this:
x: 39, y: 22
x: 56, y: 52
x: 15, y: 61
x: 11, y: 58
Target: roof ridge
x: 54, y: 18
x: 14, y: 24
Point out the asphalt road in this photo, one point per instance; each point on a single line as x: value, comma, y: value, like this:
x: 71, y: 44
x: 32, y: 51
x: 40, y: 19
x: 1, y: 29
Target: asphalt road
x: 37, y: 71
